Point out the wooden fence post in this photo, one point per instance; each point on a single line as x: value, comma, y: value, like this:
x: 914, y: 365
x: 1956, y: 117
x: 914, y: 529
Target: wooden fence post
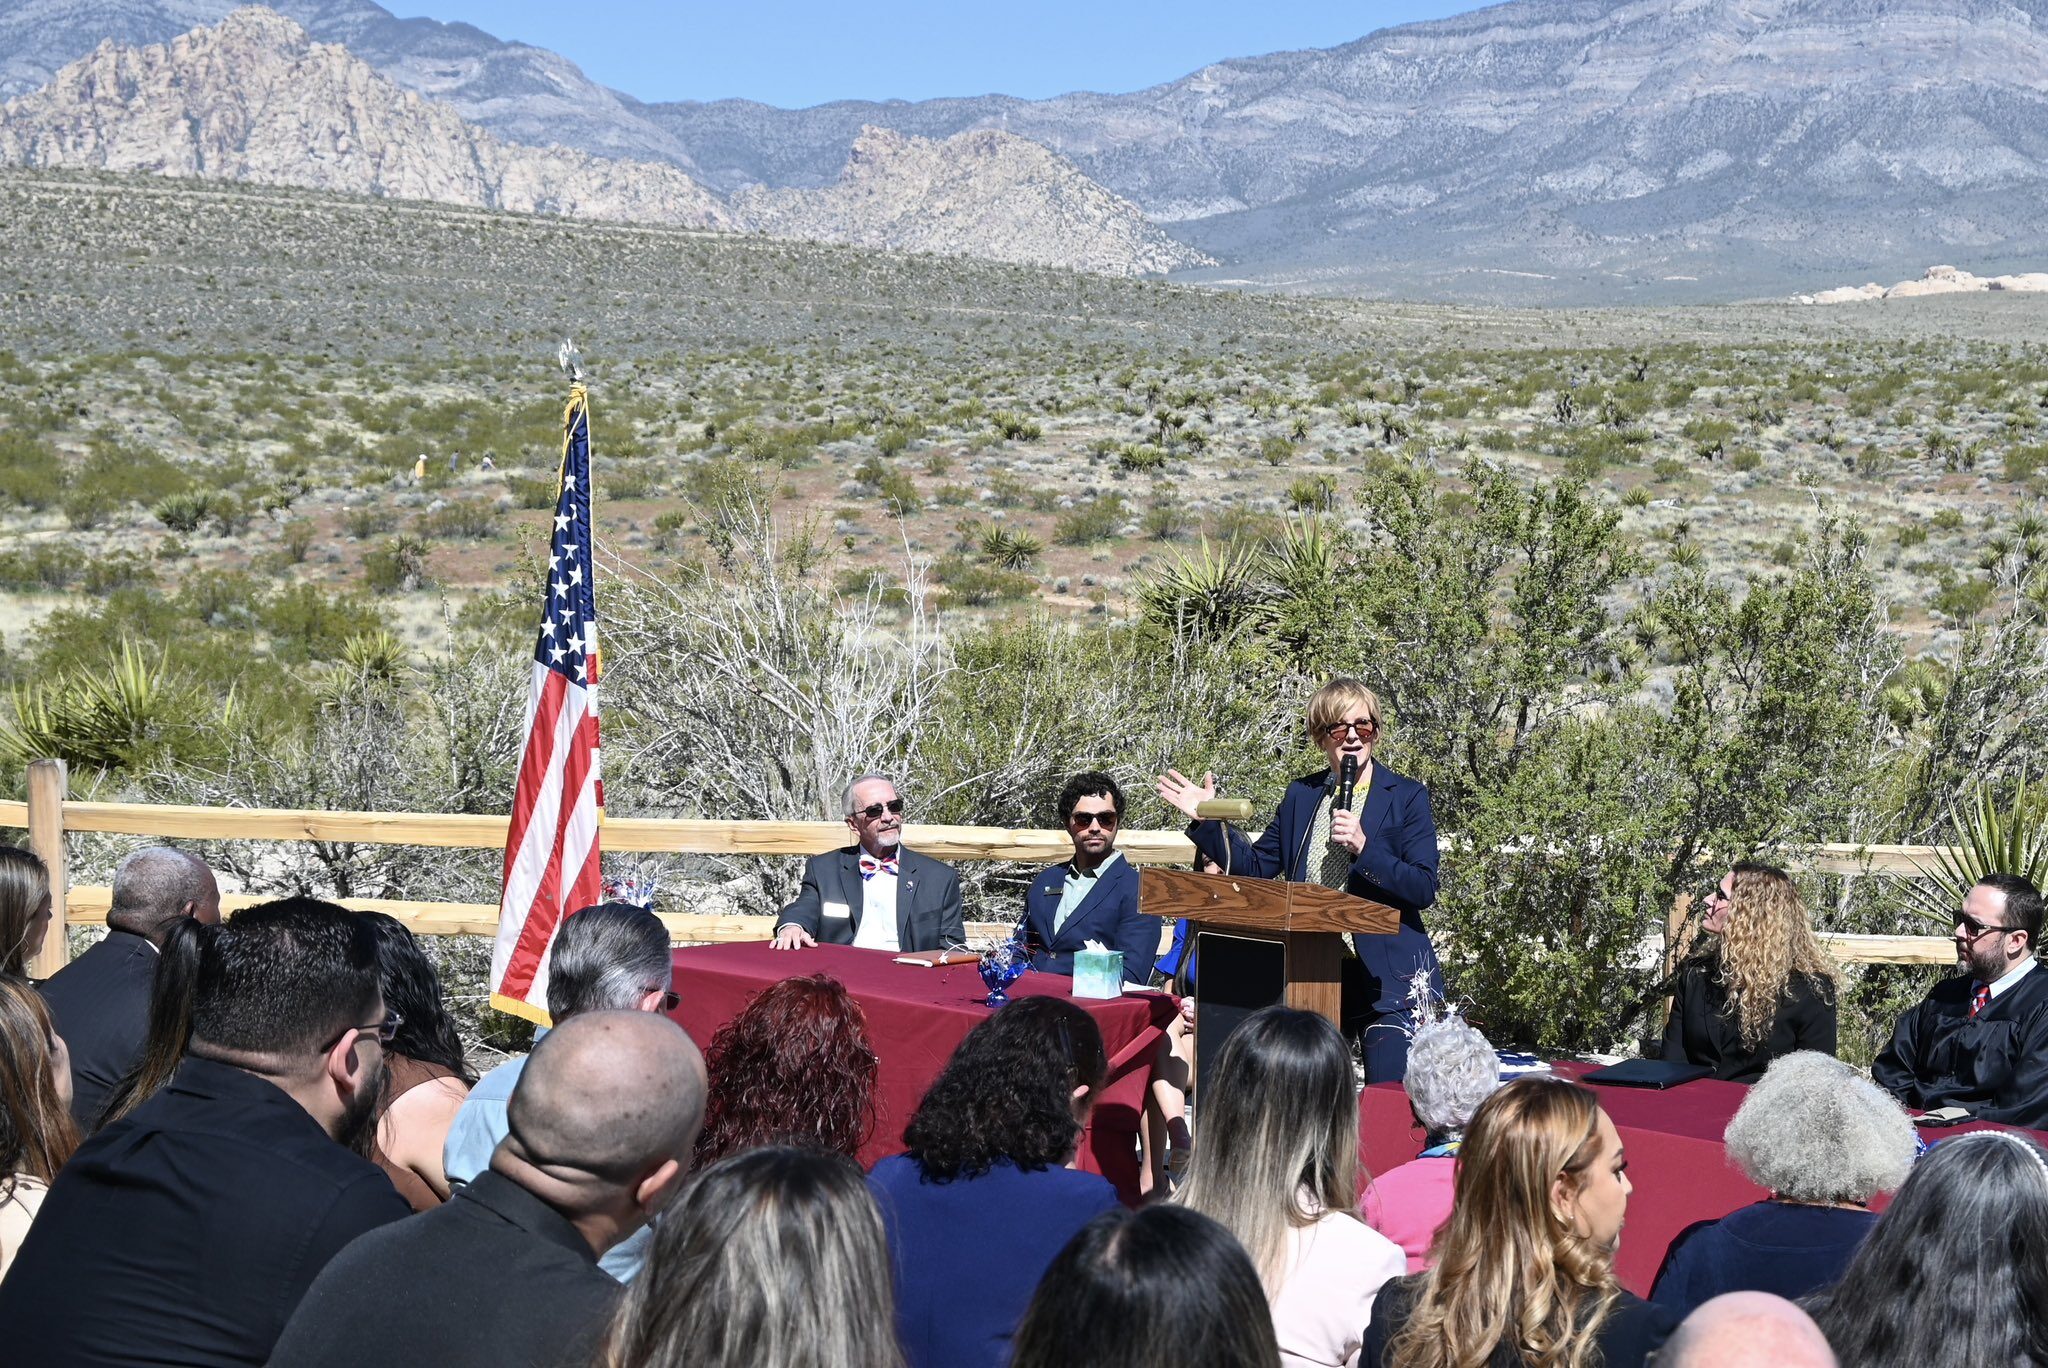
x: 46, y: 838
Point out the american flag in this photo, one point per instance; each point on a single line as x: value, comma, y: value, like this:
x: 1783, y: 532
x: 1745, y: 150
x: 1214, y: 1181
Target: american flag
x: 558, y: 802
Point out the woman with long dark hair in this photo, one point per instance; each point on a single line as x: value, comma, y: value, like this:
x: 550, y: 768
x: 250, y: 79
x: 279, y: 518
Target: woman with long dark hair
x: 772, y: 1256
x: 982, y: 1183
x: 24, y: 908
x: 1762, y: 986
x: 428, y: 1076
x: 1524, y: 1271
x: 794, y: 1067
x: 1278, y: 1168
x: 170, y: 1019
x: 37, y: 1133
x: 1955, y: 1275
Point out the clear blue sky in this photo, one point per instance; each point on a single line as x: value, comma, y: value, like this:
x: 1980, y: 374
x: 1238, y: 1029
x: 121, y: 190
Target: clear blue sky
x: 804, y: 52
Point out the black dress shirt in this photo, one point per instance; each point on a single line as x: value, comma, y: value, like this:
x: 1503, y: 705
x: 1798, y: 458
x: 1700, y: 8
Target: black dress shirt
x: 186, y: 1232
x: 495, y: 1278
x: 101, y: 1004
x: 1703, y: 1028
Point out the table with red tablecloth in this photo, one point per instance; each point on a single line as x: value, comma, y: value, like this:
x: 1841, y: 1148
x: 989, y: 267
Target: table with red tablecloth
x: 916, y: 1016
x: 1676, y: 1160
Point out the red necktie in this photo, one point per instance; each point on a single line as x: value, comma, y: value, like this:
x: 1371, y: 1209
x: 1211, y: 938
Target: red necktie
x: 1980, y: 999
x: 870, y: 866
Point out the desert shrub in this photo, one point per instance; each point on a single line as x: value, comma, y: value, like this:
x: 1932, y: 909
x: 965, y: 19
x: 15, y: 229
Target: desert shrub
x: 396, y: 565
x: 1636, y: 496
x: 2022, y: 462
x: 1745, y: 461
x: 1140, y: 456
x: 530, y: 492
x: 306, y: 622
x: 1011, y: 548
x: 1015, y: 427
x: 121, y: 570
x: 368, y: 520
x: 964, y: 583
x: 31, y: 476
x: 1095, y: 520
x: 296, y: 539
x: 1276, y: 451
x: 635, y: 481
x: 1167, y: 521
x: 460, y: 520
x: 1313, y: 494
x: 1912, y: 535
x: 895, y: 485
x: 1961, y: 598
x: 43, y: 566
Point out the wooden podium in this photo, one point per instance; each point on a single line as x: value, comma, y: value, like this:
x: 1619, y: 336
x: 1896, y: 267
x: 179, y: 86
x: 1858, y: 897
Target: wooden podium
x: 1305, y: 921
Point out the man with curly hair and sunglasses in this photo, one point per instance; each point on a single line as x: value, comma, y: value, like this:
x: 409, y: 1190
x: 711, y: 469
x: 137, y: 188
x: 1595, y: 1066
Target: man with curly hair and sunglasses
x: 1094, y: 895
x: 874, y: 894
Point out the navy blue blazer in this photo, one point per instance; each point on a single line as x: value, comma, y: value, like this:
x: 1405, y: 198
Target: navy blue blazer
x: 1397, y: 867
x: 1108, y: 915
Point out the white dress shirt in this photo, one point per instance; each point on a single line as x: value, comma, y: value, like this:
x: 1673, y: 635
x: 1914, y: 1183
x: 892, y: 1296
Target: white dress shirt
x: 877, y: 929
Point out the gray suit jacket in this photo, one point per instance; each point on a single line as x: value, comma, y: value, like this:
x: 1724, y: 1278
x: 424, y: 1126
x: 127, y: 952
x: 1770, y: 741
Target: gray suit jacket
x: 927, y: 900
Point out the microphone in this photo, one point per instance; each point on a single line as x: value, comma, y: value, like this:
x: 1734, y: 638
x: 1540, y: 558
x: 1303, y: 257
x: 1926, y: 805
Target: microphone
x: 1347, y: 781
x: 1224, y: 810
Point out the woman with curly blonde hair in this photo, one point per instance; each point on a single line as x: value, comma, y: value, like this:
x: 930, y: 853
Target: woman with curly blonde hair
x: 1524, y: 1273
x: 1761, y: 988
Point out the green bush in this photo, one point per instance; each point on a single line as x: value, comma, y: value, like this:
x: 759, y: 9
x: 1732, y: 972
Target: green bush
x: 1745, y: 461
x: 31, y: 475
x: 305, y: 622
x: 969, y: 584
x: 1276, y: 451
x: 895, y: 485
x: 1167, y: 521
x: 528, y: 492
x: 368, y: 520
x: 1010, y: 548
x: 396, y: 565
x: 1093, y: 521
x: 1140, y: 456
x: 460, y: 520
x: 1015, y: 427
x: 296, y: 539
x: 43, y: 566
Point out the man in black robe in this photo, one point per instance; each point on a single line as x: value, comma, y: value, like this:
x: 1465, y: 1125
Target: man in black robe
x: 1979, y: 1041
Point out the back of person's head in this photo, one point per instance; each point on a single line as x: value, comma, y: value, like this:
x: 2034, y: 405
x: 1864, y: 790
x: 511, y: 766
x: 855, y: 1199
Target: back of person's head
x: 24, y: 888
x: 1746, y: 1330
x: 1956, y: 1272
x: 1769, y: 938
x: 605, y: 1115
x: 607, y: 958
x: 1813, y: 1129
x: 1452, y: 1068
x: 1510, y: 1264
x: 794, y: 1067
x: 1279, y: 1133
x: 156, y: 886
x: 283, y: 979
x: 412, y: 988
x: 36, y: 1131
x: 2022, y: 904
x: 773, y: 1256
x: 1008, y: 1092
x: 1164, y: 1287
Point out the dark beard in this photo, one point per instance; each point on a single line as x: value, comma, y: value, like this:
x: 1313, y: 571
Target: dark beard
x: 358, y: 1129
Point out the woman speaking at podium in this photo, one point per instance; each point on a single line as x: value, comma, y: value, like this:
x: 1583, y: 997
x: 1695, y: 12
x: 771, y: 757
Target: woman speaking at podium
x: 1356, y: 826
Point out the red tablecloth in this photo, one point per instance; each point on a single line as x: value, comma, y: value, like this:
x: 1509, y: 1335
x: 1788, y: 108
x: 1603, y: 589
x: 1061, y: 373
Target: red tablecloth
x: 915, y: 1019
x: 1680, y: 1169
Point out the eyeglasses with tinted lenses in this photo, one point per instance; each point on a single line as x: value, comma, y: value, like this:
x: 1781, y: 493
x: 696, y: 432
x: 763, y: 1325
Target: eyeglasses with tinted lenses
x: 1974, y: 930
x: 1364, y: 726
x: 1081, y: 821
x: 874, y: 810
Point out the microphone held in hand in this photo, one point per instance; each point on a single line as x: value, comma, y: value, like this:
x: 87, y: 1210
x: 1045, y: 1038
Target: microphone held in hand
x: 1224, y: 810
x: 1347, y: 782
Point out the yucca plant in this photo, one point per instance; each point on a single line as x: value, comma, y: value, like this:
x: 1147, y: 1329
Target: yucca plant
x: 1211, y: 590
x: 122, y: 716
x: 1013, y: 549
x: 1990, y: 838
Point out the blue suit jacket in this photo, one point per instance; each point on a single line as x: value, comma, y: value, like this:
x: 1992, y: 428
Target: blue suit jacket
x: 1109, y: 915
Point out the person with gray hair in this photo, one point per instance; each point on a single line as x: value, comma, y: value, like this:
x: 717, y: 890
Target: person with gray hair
x: 1822, y: 1140
x: 1747, y: 1330
x: 874, y: 894
x: 613, y: 957
x: 101, y: 999
x: 603, y: 1124
x: 1452, y: 1068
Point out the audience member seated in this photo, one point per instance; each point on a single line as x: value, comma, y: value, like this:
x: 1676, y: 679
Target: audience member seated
x: 1164, y: 1287
x: 169, y: 1025
x: 428, y: 1077
x: 1747, y: 1330
x: 982, y: 1185
x: 194, y: 1225
x: 37, y: 1133
x: 24, y: 908
x: 1979, y: 1041
x: 1954, y: 1274
x: 1278, y: 1168
x: 1094, y: 895
x: 874, y: 893
x: 793, y: 1068
x: 1452, y: 1068
x: 1823, y: 1140
x: 771, y: 1258
x: 1761, y: 988
x: 612, y: 957
x: 1524, y: 1271
x: 506, y: 1273
x: 101, y: 999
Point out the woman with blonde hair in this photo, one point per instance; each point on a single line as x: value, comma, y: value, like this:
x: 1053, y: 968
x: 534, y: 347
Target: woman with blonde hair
x: 1524, y: 1271
x: 1761, y: 989
x: 24, y: 908
x: 1278, y: 1168
x: 37, y: 1133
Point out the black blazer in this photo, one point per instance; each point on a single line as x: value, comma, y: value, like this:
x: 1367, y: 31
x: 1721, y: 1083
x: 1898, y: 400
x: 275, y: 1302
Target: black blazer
x: 188, y: 1229
x: 495, y: 1278
x: 1995, y: 1064
x: 101, y: 1005
x: 1702, y: 1028
x: 928, y: 913
x: 1108, y: 914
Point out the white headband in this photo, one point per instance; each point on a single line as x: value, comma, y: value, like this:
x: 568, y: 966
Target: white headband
x: 2028, y: 1147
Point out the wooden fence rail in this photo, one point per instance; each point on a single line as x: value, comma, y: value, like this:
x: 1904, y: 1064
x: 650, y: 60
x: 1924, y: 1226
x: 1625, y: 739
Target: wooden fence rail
x: 49, y: 814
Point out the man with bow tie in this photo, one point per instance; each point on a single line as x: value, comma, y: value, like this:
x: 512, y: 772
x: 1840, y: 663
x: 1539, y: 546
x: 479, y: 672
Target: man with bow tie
x: 874, y: 894
x: 1979, y: 1041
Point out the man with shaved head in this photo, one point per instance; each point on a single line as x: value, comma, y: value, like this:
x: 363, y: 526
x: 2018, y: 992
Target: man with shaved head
x: 101, y: 999
x: 1746, y: 1330
x: 602, y: 1124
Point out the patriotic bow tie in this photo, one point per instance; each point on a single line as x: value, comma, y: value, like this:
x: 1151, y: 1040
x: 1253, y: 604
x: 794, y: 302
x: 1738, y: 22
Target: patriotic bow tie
x: 870, y: 866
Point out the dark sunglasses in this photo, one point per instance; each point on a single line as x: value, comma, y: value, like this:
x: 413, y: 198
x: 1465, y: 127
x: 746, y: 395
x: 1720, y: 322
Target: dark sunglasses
x: 1081, y: 821
x: 1365, y: 728
x: 874, y: 810
x: 1976, y: 930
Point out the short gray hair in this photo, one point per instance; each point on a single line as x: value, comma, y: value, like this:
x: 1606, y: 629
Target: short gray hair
x: 152, y: 886
x: 846, y: 799
x: 606, y: 958
x: 1451, y: 1070
x: 1813, y: 1129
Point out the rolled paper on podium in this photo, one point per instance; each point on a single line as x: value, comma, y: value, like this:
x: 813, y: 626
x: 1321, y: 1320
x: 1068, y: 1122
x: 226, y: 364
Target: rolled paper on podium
x: 1224, y: 810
